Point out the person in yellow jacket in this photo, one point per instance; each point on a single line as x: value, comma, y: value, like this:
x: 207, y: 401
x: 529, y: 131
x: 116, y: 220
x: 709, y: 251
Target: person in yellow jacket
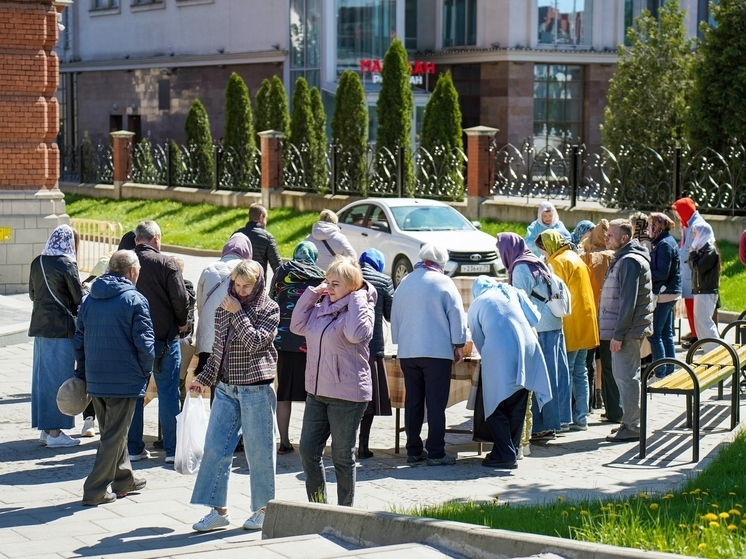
x: 580, y: 326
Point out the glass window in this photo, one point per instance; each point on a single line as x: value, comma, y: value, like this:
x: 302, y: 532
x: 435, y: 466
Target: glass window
x: 558, y: 105
x: 704, y: 13
x: 459, y: 23
x: 305, y: 47
x: 365, y: 29
x: 378, y: 219
x: 356, y: 215
x: 410, y: 24
x: 633, y: 8
x: 565, y: 22
x: 105, y: 4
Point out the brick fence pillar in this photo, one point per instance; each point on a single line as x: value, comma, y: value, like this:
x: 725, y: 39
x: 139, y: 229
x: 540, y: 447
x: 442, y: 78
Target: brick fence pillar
x: 478, y: 167
x: 271, y: 146
x: 120, y: 152
x: 31, y: 204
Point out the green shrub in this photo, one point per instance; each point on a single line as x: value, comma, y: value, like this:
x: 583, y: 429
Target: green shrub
x: 199, y: 143
x: 350, y: 133
x: 320, y: 178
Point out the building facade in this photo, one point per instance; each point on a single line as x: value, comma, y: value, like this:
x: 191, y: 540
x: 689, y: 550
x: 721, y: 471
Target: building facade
x: 534, y: 69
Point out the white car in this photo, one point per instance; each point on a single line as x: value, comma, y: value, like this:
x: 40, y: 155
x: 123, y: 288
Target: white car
x: 399, y: 227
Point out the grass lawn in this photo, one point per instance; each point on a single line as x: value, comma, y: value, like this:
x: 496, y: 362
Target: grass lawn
x: 209, y: 227
x: 704, y: 518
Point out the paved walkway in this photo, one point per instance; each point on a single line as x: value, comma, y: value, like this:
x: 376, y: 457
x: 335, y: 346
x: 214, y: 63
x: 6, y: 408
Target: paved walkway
x: 41, y: 514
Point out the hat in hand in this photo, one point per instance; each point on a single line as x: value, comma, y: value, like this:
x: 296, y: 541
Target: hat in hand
x: 72, y: 398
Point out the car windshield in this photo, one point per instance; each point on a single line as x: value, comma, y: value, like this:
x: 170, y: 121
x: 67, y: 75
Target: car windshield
x: 430, y: 218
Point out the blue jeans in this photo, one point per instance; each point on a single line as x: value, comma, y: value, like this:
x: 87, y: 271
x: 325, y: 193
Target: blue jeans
x: 564, y: 390
x: 552, y: 345
x: 250, y: 409
x: 340, y: 419
x: 661, y: 340
x: 579, y: 376
x: 169, y: 404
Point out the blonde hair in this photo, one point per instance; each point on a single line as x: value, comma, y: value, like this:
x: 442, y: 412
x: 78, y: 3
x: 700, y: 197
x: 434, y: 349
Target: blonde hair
x: 249, y: 270
x: 346, y: 270
x: 328, y: 215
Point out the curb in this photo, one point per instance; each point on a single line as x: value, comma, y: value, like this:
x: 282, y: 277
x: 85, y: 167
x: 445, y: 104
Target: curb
x: 191, y: 251
x: 371, y: 529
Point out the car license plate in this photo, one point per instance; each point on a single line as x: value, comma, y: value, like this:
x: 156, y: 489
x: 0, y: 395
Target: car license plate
x: 475, y: 268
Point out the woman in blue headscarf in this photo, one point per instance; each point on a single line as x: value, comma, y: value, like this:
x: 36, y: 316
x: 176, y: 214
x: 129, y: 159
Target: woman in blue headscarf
x: 372, y: 263
x: 288, y: 283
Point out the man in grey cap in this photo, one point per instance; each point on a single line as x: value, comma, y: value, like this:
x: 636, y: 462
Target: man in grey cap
x: 427, y: 301
x: 113, y: 347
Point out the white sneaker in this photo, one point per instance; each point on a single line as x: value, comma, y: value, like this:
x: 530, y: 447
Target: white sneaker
x: 43, y: 436
x: 255, y: 521
x: 88, y: 428
x: 144, y: 455
x: 212, y: 521
x: 61, y: 440
x: 520, y: 453
x: 527, y: 449
x: 170, y: 459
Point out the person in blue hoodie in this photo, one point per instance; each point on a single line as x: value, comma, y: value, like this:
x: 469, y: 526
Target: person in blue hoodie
x: 114, y: 350
x: 500, y: 320
x: 546, y: 218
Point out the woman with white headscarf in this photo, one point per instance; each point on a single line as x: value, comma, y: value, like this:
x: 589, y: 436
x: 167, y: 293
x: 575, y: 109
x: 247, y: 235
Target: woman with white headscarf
x: 704, y: 261
x: 54, y: 287
x: 547, y: 218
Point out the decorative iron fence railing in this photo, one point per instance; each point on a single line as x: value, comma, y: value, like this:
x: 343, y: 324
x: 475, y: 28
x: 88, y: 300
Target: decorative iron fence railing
x: 87, y: 163
x: 377, y: 172
x: 641, y: 179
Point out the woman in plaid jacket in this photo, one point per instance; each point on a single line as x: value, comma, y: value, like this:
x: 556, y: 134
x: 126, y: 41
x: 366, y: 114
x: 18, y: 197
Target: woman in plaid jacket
x: 242, y: 370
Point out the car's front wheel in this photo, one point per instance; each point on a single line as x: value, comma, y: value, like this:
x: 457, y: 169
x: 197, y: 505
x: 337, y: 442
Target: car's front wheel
x: 402, y: 267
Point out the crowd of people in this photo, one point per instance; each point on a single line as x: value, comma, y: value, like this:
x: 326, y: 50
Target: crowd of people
x: 316, y: 334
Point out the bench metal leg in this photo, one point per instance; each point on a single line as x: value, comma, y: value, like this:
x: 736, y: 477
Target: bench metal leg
x: 689, y: 411
x: 397, y: 429
x: 695, y: 429
x: 643, y: 417
x: 735, y: 403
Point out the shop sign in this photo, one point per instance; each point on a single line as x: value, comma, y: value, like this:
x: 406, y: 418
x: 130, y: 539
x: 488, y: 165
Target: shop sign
x: 418, y: 70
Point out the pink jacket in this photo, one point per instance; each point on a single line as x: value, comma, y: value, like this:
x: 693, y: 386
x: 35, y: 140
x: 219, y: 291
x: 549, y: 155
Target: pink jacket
x: 337, y: 336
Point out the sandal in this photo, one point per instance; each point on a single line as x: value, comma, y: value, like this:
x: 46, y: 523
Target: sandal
x: 285, y: 449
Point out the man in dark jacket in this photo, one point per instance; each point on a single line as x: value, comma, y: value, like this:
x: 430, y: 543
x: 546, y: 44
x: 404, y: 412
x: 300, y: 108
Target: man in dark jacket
x: 625, y: 317
x: 162, y: 285
x: 263, y: 244
x: 113, y: 347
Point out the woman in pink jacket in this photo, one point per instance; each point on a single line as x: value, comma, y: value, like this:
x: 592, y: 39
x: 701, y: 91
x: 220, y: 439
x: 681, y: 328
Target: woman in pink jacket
x: 337, y: 319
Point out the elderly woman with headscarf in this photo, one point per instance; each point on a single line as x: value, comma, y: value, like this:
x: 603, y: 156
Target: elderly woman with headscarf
x: 372, y: 263
x: 500, y: 320
x: 665, y: 270
x: 580, y: 326
x: 290, y: 281
x: 581, y: 232
x: 54, y: 287
x: 529, y: 274
x: 704, y: 261
x: 547, y: 218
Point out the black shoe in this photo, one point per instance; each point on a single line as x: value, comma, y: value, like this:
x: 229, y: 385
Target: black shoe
x: 239, y: 446
x: 606, y: 419
x: 364, y: 453
x: 137, y: 485
x: 490, y: 463
x: 419, y: 458
x: 686, y: 344
x: 623, y: 435
x: 158, y: 443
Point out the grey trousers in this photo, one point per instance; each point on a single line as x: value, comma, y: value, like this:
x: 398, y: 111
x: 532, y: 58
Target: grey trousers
x: 625, y: 365
x: 112, y: 464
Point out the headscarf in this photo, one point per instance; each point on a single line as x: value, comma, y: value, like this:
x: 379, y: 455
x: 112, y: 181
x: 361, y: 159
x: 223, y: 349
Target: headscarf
x: 513, y: 251
x: 659, y: 222
x: 548, y: 206
x: 552, y: 241
x: 238, y: 245
x: 373, y: 258
x: 686, y: 208
x: 61, y: 242
x: 597, y: 240
x: 703, y: 235
x: 306, y: 252
x: 432, y: 257
x: 639, y: 221
x: 483, y: 284
x: 581, y: 229
x: 257, y: 296
x: 128, y: 241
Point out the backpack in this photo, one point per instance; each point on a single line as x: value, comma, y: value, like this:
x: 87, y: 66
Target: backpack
x: 559, y: 302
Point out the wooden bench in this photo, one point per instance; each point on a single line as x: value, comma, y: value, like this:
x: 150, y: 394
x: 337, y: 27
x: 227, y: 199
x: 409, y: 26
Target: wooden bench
x: 694, y: 376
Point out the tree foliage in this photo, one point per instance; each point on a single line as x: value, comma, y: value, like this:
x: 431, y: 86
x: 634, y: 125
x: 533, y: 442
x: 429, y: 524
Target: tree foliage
x: 301, y: 138
x: 646, y: 98
x: 175, y: 164
x: 278, y: 117
x: 261, y: 115
x: 350, y: 132
x: 395, y: 108
x: 318, y: 130
x: 718, y: 112
x: 239, y: 133
x: 199, y: 144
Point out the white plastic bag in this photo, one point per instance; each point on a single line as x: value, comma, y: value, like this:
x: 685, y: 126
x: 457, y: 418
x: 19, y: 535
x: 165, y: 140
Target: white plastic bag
x: 191, y: 428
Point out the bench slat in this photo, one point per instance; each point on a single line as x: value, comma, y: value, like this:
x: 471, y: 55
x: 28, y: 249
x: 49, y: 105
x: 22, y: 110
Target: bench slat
x: 680, y: 380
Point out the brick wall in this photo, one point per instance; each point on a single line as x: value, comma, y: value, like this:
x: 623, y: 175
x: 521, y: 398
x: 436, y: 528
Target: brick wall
x: 31, y: 205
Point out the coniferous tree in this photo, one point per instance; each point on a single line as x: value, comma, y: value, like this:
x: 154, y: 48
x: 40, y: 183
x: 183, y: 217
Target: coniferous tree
x: 143, y: 166
x: 238, y: 138
x: 350, y: 132
x: 718, y: 113
x: 278, y: 117
x: 318, y: 131
x: 175, y: 164
x: 395, y: 108
x: 300, y: 138
x: 646, y: 97
x: 261, y: 115
x: 199, y: 143
x: 441, y: 136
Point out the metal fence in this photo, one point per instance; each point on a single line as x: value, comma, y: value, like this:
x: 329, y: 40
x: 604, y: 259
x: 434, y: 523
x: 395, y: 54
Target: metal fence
x: 87, y: 163
x: 632, y: 179
x: 97, y: 239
